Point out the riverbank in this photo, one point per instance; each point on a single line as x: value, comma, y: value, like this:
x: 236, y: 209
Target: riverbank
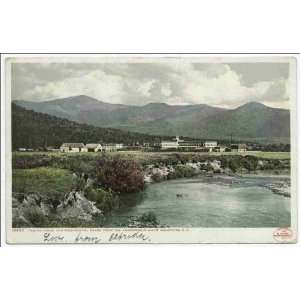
x: 217, y: 201
x: 63, y: 187
x: 208, y: 173
x: 163, y: 171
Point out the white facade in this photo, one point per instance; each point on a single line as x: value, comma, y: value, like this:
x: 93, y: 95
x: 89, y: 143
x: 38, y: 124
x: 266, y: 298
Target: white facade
x: 93, y: 147
x: 119, y: 146
x: 169, y: 144
x: 210, y: 144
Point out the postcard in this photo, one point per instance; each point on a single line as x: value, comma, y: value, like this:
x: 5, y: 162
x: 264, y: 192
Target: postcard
x: 150, y: 149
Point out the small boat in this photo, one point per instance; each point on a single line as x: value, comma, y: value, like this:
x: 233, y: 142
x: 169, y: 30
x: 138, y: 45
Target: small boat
x: 179, y: 195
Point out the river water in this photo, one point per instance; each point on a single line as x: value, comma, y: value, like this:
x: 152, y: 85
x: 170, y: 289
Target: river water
x: 220, y: 201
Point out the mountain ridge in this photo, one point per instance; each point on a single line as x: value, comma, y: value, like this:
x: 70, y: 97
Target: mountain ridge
x: 252, y: 120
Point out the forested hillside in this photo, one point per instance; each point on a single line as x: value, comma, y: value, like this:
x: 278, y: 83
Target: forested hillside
x: 34, y: 130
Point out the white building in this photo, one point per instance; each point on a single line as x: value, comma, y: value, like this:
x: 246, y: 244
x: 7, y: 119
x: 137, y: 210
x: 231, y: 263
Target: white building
x: 109, y: 147
x: 173, y: 144
x: 119, y: 146
x: 169, y: 145
x: 210, y: 145
x: 72, y: 147
x: 93, y: 147
x: 190, y: 145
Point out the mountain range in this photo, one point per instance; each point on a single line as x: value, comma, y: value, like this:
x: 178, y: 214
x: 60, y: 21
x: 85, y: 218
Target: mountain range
x: 251, y: 121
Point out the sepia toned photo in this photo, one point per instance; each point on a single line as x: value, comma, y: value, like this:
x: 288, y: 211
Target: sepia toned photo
x: 151, y: 149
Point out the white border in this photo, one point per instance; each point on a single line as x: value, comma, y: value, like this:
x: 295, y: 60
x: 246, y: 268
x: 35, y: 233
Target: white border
x: 169, y: 235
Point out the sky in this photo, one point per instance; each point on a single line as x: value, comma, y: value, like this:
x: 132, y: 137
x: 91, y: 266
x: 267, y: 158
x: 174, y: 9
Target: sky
x: 177, y: 83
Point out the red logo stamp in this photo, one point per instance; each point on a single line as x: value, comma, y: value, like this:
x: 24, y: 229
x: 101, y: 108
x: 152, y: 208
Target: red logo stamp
x: 283, y: 235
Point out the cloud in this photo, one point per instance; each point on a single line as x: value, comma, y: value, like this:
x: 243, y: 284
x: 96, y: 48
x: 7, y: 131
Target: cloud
x: 179, y: 82
x: 95, y: 84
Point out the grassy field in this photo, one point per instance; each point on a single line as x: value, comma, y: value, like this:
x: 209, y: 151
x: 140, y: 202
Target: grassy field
x: 52, y: 171
x: 42, y: 179
x: 271, y: 155
x: 142, y: 156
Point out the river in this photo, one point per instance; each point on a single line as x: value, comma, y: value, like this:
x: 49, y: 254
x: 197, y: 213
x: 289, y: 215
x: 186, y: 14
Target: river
x: 219, y: 201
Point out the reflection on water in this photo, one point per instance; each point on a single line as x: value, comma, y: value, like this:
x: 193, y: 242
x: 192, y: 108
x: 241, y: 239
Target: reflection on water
x: 221, y: 201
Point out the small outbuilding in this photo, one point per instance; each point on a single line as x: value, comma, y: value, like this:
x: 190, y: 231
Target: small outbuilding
x: 72, y: 147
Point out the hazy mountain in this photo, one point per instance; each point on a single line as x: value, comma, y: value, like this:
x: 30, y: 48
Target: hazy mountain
x: 70, y: 108
x: 250, y: 121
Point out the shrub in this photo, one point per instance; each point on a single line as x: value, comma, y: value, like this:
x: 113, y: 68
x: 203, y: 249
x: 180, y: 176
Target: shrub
x: 36, y: 217
x: 250, y: 162
x: 156, y: 177
x: 149, y: 217
x: 207, y: 167
x: 184, y: 171
x: 234, y: 165
x: 77, y: 165
x: 104, y: 200
x: 79, y: 183
x: 30, y: 161
x: 118, y: 174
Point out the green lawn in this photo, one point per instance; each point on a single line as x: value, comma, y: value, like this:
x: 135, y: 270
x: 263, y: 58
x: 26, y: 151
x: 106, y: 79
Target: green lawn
x: 271, y: 155
x: 141, y: 155
x: 267, y: 155
x: 41, y: 180
x: 56, y: 153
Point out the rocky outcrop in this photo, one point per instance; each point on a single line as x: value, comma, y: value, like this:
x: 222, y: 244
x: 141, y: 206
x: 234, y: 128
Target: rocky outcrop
x: 35, y: 210
x: 30, y: 207
x: 280, y: 188
x: 164, y: 172
x: 76, y: 205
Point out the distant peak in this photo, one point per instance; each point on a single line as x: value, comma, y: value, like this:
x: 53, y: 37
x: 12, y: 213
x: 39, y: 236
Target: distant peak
x: 154, y: 104
x: 80, y: 97
x: 253, y: 104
